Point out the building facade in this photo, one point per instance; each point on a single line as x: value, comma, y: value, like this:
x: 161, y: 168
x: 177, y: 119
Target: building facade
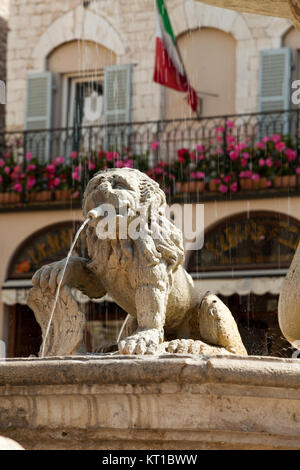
x: 3, y: 44
x: 80, y: 71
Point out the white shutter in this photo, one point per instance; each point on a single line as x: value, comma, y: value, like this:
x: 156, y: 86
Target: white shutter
x: 38, y: 113
x: 117, y: 104
x: 275, y: 89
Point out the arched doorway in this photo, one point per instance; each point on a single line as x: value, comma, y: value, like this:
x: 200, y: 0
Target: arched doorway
x: 204, y: 71
x: 244, y: 260
x: 52, y: 243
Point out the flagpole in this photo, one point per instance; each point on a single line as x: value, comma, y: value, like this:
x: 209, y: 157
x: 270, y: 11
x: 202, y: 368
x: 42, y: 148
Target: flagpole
x: 184, y: 71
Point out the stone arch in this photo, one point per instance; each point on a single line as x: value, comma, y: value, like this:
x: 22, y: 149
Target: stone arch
x: 277, y: 29
x: 194, y: 15
x: 268, y: 219
x: 79, y: 23
x: 53, y: 241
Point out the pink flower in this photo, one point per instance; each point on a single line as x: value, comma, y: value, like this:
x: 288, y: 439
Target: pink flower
x: 92, y: 166
x: 56, y: 182
x: 226, y: 178
x: 192, y: 156
x: 291, y: 154
x: 200, y: 175
x: 59, y: 160
x: 6, y: 155
x: 230, y: 139
x: 234, y: 187
x: 31, y: 167
x: 230, y: 124
x: 2, y: 162
x: 17, y: 169
x: 6, y: 170
x: 1, y: 179
x: 261, y: 162
x: 51, y: 168
x: 18, y: 187
x: 269, y: 183
x: 234, y: 155
x: 29, y: 156
x: 255, y: 177
x: 276, y: 138
x: 260, y: 145
x: 248, y: 174
x: 110, y: 156
x: 200, y: 148
x: 219, y: 139
x: 74, y: 154
x: 240, y: 147
x: 154, y: 145
x: 246, y: 155
x: 182, y: 152
x: 220, y: 129
x: 193, y: 175
x: 128, y: 163
x: 269, y: 162
x: 75, y: 195
x: 219, y: 151
x: 119, y: 164
x: 158, y: 171
x: 201, y: 157
x: 265, y: 139
x: 298, y: 170
x: 181, y: 159
x: 280, y: 146
x: 242, y: 174
x: 75, y: 176
x: 223, y: 188
x: 31, y: 183
x: 244, y: 162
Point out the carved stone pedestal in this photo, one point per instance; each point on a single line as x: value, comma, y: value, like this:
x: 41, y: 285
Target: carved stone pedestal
x: 170, y: 402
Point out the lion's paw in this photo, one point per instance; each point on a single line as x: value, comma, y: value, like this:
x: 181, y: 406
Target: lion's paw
x: 190, y: 346
x: 141, y: 342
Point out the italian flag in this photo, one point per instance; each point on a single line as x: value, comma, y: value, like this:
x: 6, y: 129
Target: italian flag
x: 169, y: 69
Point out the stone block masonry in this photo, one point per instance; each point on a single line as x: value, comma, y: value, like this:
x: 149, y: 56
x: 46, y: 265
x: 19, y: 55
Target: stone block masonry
x: 168, y: 402
x: 130, y: 32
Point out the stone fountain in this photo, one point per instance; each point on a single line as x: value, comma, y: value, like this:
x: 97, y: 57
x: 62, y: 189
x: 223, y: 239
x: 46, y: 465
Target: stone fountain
x: 179, y: 376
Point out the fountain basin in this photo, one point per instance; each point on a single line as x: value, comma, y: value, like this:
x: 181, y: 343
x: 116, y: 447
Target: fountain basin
x: 166, y: 402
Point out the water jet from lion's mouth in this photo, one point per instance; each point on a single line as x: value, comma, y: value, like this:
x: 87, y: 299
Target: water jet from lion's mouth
x: 81, y: 228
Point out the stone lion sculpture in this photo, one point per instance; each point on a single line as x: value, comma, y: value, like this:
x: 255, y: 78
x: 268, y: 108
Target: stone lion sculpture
x: 144, y: 275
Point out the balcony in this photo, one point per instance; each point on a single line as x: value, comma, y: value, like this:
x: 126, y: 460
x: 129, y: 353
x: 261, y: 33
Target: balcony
x: 223, y: 157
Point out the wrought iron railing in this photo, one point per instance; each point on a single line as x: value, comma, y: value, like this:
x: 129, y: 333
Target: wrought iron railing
x: 154, y: 141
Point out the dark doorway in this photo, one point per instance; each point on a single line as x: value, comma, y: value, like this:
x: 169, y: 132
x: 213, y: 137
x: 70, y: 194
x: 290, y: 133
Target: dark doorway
x: 25, y: 335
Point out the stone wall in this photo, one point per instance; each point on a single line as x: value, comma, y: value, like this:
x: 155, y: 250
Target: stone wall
x: 3, y: 43
x: 129, y: 29
x: 169, y: 402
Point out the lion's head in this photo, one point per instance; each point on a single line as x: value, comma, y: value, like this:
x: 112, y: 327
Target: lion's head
x: 130, y: 188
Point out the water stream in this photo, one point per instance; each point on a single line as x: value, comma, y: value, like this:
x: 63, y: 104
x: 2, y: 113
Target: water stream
x: 60, y: 283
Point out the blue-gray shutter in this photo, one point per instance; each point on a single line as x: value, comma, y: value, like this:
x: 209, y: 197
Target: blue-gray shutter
x: 117, y: 104
x: 38, y: 113
x: 274, y: 89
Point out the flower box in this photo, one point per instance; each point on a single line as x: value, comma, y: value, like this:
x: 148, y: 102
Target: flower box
x: 286, y: 181
x: 10, y: 198
x: 41, y: 196
x: 246, y: 184
x: 212, y: 185
x: 63, y: 194
x: 195, y: 186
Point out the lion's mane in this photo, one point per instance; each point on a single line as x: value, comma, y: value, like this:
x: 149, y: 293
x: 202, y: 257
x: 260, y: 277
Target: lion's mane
x: 163, y: 242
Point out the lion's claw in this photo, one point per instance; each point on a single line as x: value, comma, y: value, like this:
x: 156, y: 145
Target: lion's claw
x: 190, y: 346
x: 140, y: 343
